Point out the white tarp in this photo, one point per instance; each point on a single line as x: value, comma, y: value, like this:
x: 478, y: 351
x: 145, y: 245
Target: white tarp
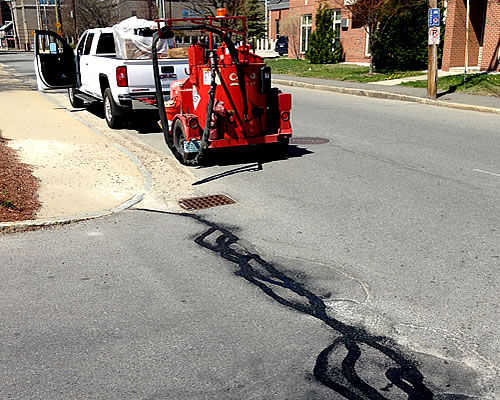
x: 133, y: 40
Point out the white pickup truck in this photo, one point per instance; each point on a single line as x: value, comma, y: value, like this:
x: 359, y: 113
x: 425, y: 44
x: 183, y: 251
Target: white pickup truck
x: 93, y: 73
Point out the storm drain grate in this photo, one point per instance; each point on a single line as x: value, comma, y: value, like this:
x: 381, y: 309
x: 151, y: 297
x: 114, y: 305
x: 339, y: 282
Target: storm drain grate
x: 198, y: 203
x: 308, y: 140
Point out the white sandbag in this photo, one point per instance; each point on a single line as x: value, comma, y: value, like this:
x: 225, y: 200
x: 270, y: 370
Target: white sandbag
x: 133, y: 39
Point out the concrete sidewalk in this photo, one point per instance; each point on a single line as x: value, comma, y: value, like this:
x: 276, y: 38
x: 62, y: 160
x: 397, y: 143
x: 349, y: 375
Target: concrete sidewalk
x: 454, y: 100
x: 81, y: 172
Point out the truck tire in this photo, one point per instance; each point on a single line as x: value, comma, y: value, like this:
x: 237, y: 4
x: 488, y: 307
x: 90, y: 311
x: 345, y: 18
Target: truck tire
x: 74, y: 101
x: 112, y: 112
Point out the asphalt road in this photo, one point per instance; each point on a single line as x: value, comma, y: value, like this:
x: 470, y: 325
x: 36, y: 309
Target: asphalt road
x: 362, y: 268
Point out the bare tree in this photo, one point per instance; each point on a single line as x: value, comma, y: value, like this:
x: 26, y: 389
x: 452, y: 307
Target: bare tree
x: 375, y: 15
x: 88, y: 14
x: 290, y: 28
x: 209, y: 7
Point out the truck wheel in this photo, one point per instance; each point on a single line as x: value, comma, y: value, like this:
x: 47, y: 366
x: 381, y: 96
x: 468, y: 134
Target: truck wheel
x: 74, y: 101
x: 179, y: 138
x: 112, y: 112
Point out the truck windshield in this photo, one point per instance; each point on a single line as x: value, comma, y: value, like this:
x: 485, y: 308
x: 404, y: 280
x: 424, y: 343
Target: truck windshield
x: 106, y: 44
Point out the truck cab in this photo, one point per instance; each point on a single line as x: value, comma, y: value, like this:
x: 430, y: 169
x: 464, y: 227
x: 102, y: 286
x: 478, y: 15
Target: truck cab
x: 93, y: 73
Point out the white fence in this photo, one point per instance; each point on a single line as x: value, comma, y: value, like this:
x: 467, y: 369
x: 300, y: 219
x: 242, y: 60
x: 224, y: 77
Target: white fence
x: 265, y: 47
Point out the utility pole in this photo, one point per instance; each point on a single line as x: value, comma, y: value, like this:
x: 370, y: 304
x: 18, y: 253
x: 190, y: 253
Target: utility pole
x: 58, y: 19
x: 38, y: 14
x: 25, y: 28
x: 75, y: 33
x: 434, y: 33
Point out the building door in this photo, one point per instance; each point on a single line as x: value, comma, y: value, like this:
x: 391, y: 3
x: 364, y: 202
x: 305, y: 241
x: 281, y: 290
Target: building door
x: 483, y: 4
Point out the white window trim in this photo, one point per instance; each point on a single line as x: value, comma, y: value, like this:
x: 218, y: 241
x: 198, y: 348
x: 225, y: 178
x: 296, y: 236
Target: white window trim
x: 337, y: 22
x: 302, y: 25
x: 367, y: 43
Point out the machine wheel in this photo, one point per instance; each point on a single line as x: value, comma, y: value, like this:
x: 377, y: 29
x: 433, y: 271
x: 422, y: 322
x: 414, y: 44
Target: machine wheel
x: 112, y: 112
x: 75, y: 101
x: 179, y: 138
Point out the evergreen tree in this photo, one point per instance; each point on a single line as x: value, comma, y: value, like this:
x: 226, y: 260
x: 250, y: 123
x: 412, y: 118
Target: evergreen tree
x: 323, y: 48
x: 254, y: 11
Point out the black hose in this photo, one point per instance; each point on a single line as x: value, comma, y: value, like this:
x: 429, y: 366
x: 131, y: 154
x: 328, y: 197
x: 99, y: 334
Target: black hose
x: 228, y: 94
x: 239, y: 72
x: 159, y: 92
x: 210, y: 106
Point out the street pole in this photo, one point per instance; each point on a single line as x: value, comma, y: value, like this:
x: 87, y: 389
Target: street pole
x: 58, y: 19
x: 432, y: 71
x: 74, y: 20
x: 38, y: 14
x: 25, y: 28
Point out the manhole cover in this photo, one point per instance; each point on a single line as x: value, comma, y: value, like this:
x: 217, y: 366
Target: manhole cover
x: 198, y: 203
x: 308, y: 140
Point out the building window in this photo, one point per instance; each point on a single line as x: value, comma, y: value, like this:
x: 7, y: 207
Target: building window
x: 277, y: 24
x: 133, y: 13
x: 337, y: 26
x: 305, y: 32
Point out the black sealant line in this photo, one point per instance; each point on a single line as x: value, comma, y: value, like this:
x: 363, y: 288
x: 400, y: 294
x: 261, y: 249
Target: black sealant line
x: 404, y: 372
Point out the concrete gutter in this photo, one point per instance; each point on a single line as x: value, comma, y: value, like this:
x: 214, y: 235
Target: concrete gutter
x: 387, y: 95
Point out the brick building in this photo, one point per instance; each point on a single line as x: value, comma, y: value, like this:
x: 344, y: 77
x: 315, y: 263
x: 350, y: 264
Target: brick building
x: 484, y: 35
x: 484, y: 32
x: 352, y: 37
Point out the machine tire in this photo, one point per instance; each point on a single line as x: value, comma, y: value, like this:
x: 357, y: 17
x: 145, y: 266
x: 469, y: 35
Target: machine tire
x: 179, y: 138
x: 74, y: 101
x: 112, y: 112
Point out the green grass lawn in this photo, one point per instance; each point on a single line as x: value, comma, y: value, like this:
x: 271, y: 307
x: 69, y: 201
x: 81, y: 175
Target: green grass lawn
x: 479, y: 84
x: 340, y: 72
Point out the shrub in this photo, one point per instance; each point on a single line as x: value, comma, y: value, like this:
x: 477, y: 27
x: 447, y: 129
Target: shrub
x: 402, y: 45
x: 323, y: 48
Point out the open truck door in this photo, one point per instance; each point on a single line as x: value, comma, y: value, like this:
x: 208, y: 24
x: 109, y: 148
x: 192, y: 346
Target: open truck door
x: 55, y: 63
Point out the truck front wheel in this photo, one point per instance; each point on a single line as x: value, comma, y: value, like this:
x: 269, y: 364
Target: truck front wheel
x: 112, y: 112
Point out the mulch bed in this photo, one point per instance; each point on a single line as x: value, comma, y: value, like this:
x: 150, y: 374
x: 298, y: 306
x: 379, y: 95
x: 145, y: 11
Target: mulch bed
x: 18, y: 187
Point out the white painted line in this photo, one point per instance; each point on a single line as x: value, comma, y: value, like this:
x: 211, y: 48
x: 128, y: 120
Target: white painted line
x: 486, y: 172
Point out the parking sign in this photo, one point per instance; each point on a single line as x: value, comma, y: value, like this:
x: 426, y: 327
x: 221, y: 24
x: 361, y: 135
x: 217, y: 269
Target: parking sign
x: 434, y: 35
x: 434, y: 17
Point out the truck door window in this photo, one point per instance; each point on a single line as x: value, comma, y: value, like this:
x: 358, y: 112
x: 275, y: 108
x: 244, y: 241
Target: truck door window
x: 88, y: 44
x: 50, y: 45
x: 79, y: 49
x: 106, y: 44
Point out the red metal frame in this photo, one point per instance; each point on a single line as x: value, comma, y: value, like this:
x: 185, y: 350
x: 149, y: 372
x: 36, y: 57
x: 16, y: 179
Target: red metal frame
x: 231, y: 125
x: 210, y: 21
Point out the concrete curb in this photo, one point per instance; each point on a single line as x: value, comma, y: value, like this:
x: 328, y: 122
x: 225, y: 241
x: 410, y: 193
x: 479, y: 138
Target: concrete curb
x: 22, y: 226
x: 388, y: 96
